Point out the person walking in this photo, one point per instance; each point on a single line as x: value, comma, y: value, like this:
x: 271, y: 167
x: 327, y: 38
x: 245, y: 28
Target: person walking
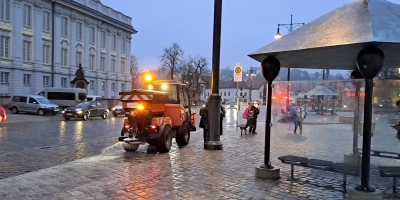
x: 204, y: 122
x: 292, y: 116
x: 301, y: 114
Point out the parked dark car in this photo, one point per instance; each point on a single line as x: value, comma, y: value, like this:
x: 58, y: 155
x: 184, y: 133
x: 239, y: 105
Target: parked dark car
x: 86, y: 109
x: 118, y: 110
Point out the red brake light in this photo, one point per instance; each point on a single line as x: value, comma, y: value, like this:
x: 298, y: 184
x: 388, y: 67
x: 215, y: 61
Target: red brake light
x: 153, y: 126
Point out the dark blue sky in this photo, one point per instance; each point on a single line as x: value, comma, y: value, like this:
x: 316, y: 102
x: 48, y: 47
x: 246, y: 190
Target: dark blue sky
x: 247, y: 25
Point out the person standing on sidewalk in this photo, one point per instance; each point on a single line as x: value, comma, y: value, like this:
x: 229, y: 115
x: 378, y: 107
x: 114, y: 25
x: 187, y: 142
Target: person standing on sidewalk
x: 251, y: 118
x: 204, y: 122
x: 292, y: 116
x: 301, y: 114
x: 255, y: 111
x: 221, y: 115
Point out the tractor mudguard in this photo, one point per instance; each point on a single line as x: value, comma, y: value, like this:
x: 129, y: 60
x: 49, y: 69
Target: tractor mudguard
x: 162, y: 126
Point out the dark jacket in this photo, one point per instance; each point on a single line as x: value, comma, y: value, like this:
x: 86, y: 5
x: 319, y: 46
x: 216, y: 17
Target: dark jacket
x: 253, y: 113
x: 204, y: 118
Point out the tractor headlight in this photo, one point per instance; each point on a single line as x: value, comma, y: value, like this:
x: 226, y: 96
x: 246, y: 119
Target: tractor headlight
x: 132, y: 113
x: 164, y: 86
x: 140, y: 107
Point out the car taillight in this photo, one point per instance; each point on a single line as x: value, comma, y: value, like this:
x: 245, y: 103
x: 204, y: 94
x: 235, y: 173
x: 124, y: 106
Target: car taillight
x: 127, y: 126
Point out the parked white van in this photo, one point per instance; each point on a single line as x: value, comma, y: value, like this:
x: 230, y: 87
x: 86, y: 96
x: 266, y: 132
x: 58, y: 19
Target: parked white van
x: 64, y: 97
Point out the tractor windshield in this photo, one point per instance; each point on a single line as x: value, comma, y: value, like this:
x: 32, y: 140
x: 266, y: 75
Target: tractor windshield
x: 171, y: 90
x: 184, y: 100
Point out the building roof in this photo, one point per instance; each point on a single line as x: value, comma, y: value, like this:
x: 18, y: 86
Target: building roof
x: 111, y: 20
x: 206, y: 79
x: 231, y: 85
x: 257, y: 81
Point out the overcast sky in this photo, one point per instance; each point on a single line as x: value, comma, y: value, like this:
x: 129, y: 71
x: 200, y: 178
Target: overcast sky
x: 247, y: 25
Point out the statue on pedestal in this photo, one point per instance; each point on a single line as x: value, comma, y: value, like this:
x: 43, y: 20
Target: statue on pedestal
x: 79, y: 80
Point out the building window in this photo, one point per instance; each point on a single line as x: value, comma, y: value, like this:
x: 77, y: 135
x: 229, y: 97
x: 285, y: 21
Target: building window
x: 4, y: 47
x: 113, y: 86
x: 64, y: 54
x: 114, y: 42
x: 123, y: 46
x: 91, y: 62
x: 4, y: 77
x: 92, y: 35
x: 122, y: 67
x: 46, y: 21
x: 79, y: 31
x: 103, y: 38
x: 63, y: 82
x: 26, y: 51
x: 122, y: 87
x: 64, y: 26
x: 5, y: 7
x: 229, y: 93
x: 102, y: 63
x: 91, y: 84
x: 27, y: 15
x: 78, y: 58
x: 27, y: 79
x: 103, y: 85
x: 46, y: 81
x: 113, y: 62
x: 46, y: 54
x: 224, y: 93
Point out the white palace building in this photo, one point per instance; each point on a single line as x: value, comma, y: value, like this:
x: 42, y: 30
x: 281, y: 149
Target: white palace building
x: 43, y: 41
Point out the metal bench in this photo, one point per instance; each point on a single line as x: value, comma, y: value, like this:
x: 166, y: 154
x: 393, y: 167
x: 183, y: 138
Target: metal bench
x: 384, y: 154
x: 321, y: 165
x: 390, y: 171
x: 241, y: 126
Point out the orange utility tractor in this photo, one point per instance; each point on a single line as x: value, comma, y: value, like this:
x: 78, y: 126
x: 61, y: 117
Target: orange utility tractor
x: 156, y: 115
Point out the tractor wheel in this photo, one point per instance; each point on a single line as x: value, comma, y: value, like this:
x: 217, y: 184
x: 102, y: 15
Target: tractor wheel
x: 130, y: 147
x: 183, y: 137
x: 164, y: 142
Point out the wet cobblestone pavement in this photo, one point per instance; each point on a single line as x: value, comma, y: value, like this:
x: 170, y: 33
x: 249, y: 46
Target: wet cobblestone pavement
x: 35, y: 145
x: 194, y: 173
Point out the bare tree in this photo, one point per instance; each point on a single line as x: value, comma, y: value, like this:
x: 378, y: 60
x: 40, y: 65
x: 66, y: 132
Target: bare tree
x: 192, y: 70
x: 134, y: 70
x: 171, y: 57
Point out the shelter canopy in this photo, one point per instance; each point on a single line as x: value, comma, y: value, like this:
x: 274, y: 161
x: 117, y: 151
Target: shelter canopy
x: 321, y: 90
x: 333, y: 40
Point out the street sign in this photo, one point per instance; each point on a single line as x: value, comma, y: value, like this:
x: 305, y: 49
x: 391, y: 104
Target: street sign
x: 237, y: 73
x: 177, y: 68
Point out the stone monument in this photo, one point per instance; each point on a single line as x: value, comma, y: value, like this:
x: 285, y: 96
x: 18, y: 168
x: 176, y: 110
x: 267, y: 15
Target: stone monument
x: 79, y: 80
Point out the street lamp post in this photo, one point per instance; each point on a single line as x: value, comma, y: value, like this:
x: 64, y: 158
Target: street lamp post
x: 290, y: 28
x: 251, y: 73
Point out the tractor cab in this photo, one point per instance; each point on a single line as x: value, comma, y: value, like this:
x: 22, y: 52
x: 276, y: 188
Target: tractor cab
x: 156, y: 115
